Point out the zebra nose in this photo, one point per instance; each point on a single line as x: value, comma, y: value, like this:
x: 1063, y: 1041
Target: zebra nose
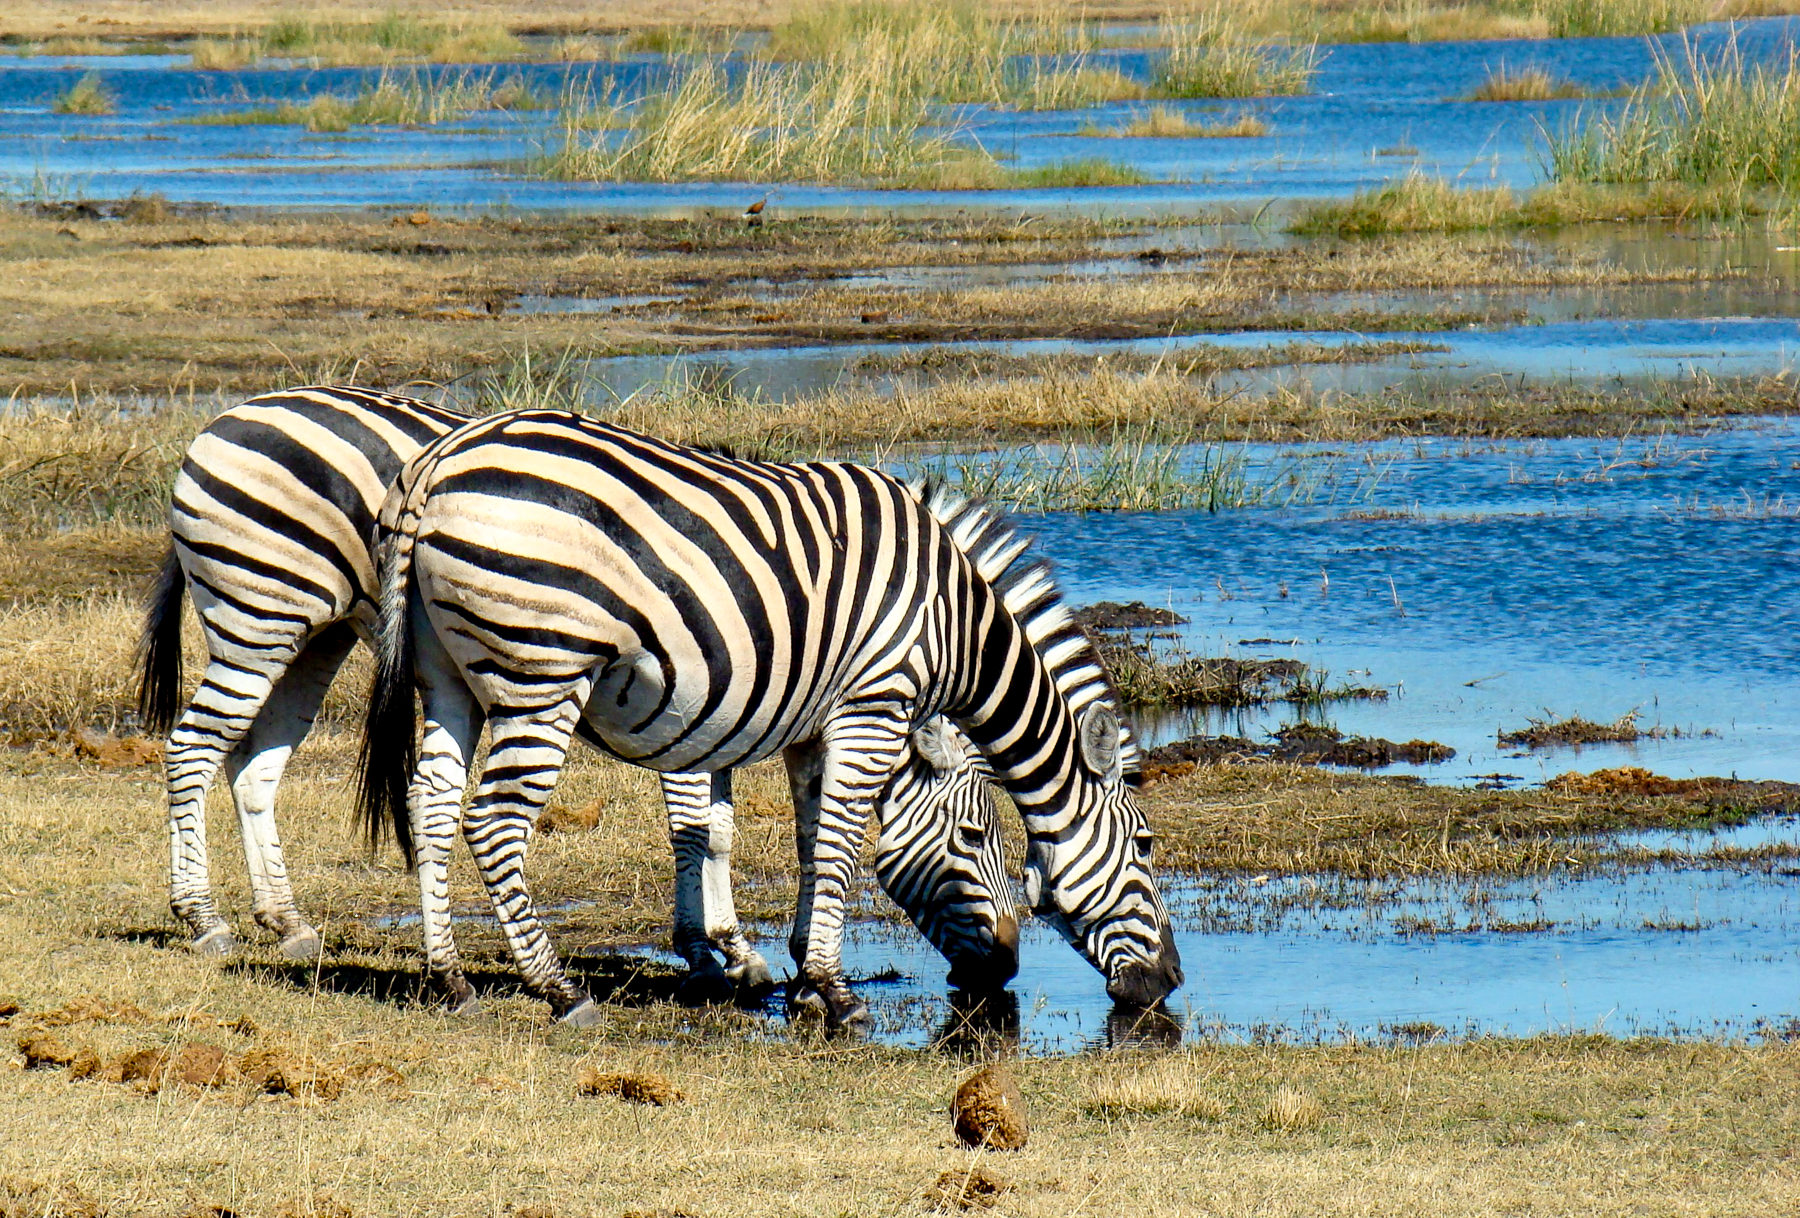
x: 1147, y: 982
x: 993, y: 968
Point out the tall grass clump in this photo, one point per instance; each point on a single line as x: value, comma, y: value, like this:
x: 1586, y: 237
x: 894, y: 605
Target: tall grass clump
x: 1209, y: 55
x: 849, y: 118
x: 1523, y: 84
x: 85, y: 96
x: 1706, y: 123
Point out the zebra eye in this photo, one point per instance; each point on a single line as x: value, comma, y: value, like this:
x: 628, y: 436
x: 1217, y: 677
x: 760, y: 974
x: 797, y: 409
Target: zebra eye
x: 1144, y: 841
x: 971, y: 836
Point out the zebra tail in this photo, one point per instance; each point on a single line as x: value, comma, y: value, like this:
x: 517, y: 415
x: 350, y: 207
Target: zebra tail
x: 159, y: 649
x: 389, y: 750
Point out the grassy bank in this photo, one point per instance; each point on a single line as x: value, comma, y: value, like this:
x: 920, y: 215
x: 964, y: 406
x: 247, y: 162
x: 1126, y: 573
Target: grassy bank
x: 1421, y: 204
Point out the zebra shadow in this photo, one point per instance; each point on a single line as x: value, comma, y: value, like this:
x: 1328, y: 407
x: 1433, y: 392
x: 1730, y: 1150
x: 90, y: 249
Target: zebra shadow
x: 614, y: 978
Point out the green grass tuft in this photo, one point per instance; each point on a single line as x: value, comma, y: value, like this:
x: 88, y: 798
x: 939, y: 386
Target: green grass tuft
x: 85, y: 96
x: 1524, y: 84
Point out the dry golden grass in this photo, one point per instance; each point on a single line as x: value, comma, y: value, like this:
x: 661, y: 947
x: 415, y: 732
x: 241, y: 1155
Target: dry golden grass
x: 770, y: 1125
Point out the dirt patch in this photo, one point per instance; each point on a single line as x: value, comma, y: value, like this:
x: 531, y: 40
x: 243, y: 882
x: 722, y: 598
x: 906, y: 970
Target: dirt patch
x: 653, y: 1089
x: 1135, y: 615
x: 1302, y: 744
x: 1576, y: 731
x: 116, y: 752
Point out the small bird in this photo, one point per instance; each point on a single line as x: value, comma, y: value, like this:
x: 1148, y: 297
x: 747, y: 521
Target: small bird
x: 753, y: 213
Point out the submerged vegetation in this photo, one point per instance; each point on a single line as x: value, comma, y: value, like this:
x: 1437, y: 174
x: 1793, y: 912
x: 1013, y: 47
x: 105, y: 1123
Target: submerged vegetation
x: 1524, y: 84
x: 413, y: 100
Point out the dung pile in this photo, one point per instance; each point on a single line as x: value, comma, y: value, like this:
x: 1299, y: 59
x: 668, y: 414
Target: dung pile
x: 988, y: 1111
x: 967, y: 1189
x: 639, y: 1088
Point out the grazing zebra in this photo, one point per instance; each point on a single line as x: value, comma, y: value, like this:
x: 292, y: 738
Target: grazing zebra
x: 270, y: 519
x: 686, y: 609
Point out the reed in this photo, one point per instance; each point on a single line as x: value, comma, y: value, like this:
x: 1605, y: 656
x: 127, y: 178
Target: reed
x: 1210, y: 55
x: 1713, y: 123
x: 86, y: 96
x: 1524, y: 84
x: 1619, y: 18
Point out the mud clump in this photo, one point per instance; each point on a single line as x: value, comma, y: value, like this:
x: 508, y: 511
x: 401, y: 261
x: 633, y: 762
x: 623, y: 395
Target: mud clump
x: 559, y: 818
x: 196, y: 1065
x: 1300, y: 744
x: 974, y: 1188
x: 638, y: 1088
x: 116, y: 752
x: 44, y: 1052
x: 988, y: 1111
x: 1136, y: 615
x: 277, y: 1073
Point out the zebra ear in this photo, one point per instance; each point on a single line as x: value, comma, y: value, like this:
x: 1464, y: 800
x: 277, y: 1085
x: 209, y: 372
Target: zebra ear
x: 1099, y: 730
x: 933, y: 742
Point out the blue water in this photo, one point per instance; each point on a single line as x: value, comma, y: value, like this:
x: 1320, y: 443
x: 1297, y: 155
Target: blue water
x: 1367, y: 100
x: 1683, y: 952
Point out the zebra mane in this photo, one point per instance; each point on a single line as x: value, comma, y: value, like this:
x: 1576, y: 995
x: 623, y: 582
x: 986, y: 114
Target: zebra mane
x: 1001, y: 556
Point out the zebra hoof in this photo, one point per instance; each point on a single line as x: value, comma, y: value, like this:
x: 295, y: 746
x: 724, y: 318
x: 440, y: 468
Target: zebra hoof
x: 465, y: 1006
x: 704, y: 989
x: 848, y: 1013
x: 459, y: 995
x: 219, y: 941
x: 751, y: 979
x: 584, y: 1014
x: 303, y: 944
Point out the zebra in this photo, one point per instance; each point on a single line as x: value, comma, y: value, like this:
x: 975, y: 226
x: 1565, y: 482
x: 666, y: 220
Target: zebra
x: 270, y: 519
x: 548, y: 574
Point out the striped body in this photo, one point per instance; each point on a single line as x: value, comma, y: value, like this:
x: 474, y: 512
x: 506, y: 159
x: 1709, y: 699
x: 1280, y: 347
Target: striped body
x: 270, y: 517
x: 688, y: 610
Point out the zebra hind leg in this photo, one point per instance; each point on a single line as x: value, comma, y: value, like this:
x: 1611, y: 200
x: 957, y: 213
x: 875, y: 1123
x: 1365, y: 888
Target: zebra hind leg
x: 453, y: 721
x: 254, y: 769
x: 700, y: 830
x: 226, y: 705
x: 526, y: 751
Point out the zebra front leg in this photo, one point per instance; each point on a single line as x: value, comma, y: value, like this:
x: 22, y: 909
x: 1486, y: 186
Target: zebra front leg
x: 525, y: 756
x: 254, y: 769
x: 858, y: 756
x: 226, y: 704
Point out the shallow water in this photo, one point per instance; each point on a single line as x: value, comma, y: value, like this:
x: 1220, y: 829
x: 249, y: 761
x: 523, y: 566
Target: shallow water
x: 1683, y: 952
x: 1368, y: 101
x: 1484, y: 584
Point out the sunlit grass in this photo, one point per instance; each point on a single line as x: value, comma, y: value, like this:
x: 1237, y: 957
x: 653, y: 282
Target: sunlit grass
x: 393, y: 101
x: 1209, y: 55
x: 1166, y: 122
x: 390, y: 38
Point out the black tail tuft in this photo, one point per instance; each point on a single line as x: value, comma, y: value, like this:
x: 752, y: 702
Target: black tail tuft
x: 159, y: 649
x: 389, y: 750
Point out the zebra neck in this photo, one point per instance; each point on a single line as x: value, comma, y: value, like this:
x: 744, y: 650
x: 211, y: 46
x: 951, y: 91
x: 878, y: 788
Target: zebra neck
x: 1019, y: 719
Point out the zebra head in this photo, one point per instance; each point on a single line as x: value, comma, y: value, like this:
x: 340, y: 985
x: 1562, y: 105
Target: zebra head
x: 940, y: 857
x: 1087, y: 871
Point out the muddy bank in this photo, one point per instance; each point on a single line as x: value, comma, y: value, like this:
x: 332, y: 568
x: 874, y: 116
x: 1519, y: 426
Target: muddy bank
x: 1307, y: 744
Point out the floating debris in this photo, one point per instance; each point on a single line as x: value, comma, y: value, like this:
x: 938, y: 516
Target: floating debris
x: 1576, y: 731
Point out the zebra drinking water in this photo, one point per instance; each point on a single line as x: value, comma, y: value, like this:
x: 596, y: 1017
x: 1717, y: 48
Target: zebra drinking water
x: 270, y: 519
x: 686, y: 609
